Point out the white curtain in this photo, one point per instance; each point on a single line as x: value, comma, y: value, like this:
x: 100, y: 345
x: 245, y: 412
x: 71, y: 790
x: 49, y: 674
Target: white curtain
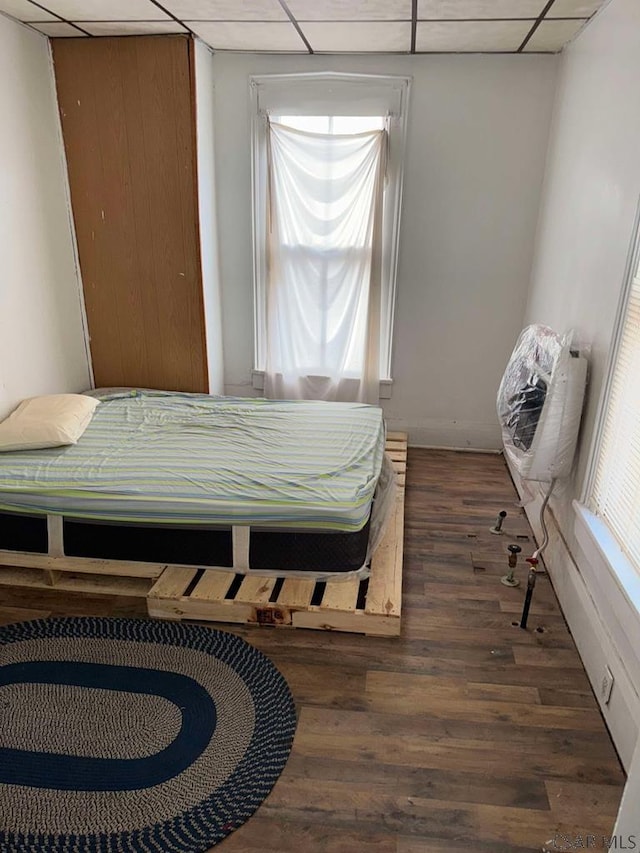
x: 324, y: 261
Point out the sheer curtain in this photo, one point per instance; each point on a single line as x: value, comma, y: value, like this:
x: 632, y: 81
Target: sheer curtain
x: 324, y: 264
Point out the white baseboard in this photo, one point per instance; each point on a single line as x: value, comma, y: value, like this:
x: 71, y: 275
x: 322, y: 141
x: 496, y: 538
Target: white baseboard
x: 445, y: 434
x: 456, y: 449
x: 583, y: 607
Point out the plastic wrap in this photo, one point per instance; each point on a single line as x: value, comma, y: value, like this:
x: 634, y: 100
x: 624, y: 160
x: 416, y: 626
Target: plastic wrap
x: 540, y: 403
x: 384, y: 502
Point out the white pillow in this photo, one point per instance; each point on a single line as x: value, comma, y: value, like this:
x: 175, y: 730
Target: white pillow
x: 49, y: 421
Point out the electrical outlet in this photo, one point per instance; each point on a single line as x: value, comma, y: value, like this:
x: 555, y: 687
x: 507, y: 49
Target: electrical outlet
x: 606, y: 685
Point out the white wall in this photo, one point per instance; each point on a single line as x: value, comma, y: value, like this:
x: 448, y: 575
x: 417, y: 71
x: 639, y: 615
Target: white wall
x: 477, y: 137
x: 205, y: 129
x: 587, y: 215
x: 627, y: 828
x: 42, y: 347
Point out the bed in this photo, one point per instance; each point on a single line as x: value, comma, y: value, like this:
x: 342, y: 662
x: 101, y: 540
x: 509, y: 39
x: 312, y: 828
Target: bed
x: 211, y: 481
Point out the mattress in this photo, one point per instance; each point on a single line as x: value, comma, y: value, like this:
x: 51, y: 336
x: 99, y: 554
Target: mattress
x: 189, y: 459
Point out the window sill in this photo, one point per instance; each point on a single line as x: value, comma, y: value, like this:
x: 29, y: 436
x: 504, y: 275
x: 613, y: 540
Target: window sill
x: 386, y: 385
x: 602, y: 550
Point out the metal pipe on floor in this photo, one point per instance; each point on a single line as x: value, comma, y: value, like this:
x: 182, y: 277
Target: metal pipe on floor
x: 531, y: 583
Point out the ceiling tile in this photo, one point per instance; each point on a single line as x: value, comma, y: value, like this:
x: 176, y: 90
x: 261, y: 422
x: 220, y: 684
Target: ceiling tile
x: 59, y: 29
x: 368, y: 36
x: 551, y: 36
x: 479, y: 9
x: 106, y: 10
x: 574, y: 8
x: 470, y: 36
x: 338, y: 10
x: 131, y: 28
x: 274, y: 37
x: 226, y: 10
x: 25, y: 11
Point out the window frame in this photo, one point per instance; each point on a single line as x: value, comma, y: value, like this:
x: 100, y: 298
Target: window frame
x: 587, y: 498
x: 399, y: 90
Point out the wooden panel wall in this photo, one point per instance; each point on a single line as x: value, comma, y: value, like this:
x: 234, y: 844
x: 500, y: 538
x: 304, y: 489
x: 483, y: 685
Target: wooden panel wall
x: 128, y: 119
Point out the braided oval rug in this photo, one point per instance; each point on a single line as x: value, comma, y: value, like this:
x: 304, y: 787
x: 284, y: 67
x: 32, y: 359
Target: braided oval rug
x: 128, y: 735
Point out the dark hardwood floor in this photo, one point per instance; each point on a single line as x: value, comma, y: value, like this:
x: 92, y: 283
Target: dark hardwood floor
x: 466, y: 733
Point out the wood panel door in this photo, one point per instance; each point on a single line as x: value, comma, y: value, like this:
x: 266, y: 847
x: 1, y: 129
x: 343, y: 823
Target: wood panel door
x: 128, y: 119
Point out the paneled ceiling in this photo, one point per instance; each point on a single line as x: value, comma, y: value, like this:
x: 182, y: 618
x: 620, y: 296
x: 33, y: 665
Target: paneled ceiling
x: 324, y: 26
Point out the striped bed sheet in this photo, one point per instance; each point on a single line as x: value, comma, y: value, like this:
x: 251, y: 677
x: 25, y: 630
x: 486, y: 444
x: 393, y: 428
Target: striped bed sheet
x: 151, y: 457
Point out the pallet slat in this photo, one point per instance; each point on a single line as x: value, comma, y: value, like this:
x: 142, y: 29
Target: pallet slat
x: 396, y: 447
x: 70, y: 582
x: 173, y: 583
x: 384, y: 596
x: 81, y: 565
x: 357, y: 622
x: 201, y: 609
x: 296, y: 592
x: 397, y: 455
x: 213, y: 585
x: 341, y: 595
x: 255, y: 589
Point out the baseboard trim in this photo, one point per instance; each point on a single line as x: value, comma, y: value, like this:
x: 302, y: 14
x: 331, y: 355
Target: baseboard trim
x: 590, y: 633
x: 455, y: 449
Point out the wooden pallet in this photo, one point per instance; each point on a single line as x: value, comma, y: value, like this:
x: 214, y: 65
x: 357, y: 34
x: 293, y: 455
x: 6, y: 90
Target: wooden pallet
x: 87, y: 583
x: 90, y: 575
x: 372, y: 606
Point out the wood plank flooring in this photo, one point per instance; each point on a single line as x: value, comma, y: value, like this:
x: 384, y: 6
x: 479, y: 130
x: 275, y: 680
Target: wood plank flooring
x: 465, y: 733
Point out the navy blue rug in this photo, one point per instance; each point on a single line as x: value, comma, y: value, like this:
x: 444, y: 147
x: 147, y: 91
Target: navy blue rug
x: 126, y: 735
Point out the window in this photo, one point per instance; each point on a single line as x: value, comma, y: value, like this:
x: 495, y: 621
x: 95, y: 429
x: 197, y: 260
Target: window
x: 333, y: 124
x: 615, y: 487
x: 335, y: 106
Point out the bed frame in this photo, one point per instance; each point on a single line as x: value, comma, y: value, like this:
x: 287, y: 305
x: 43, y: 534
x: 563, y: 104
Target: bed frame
x: 371, y: 606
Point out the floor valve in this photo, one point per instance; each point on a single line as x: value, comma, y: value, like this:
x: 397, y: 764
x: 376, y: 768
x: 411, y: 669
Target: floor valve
x: 510, y: 579
x: 497, y: 527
